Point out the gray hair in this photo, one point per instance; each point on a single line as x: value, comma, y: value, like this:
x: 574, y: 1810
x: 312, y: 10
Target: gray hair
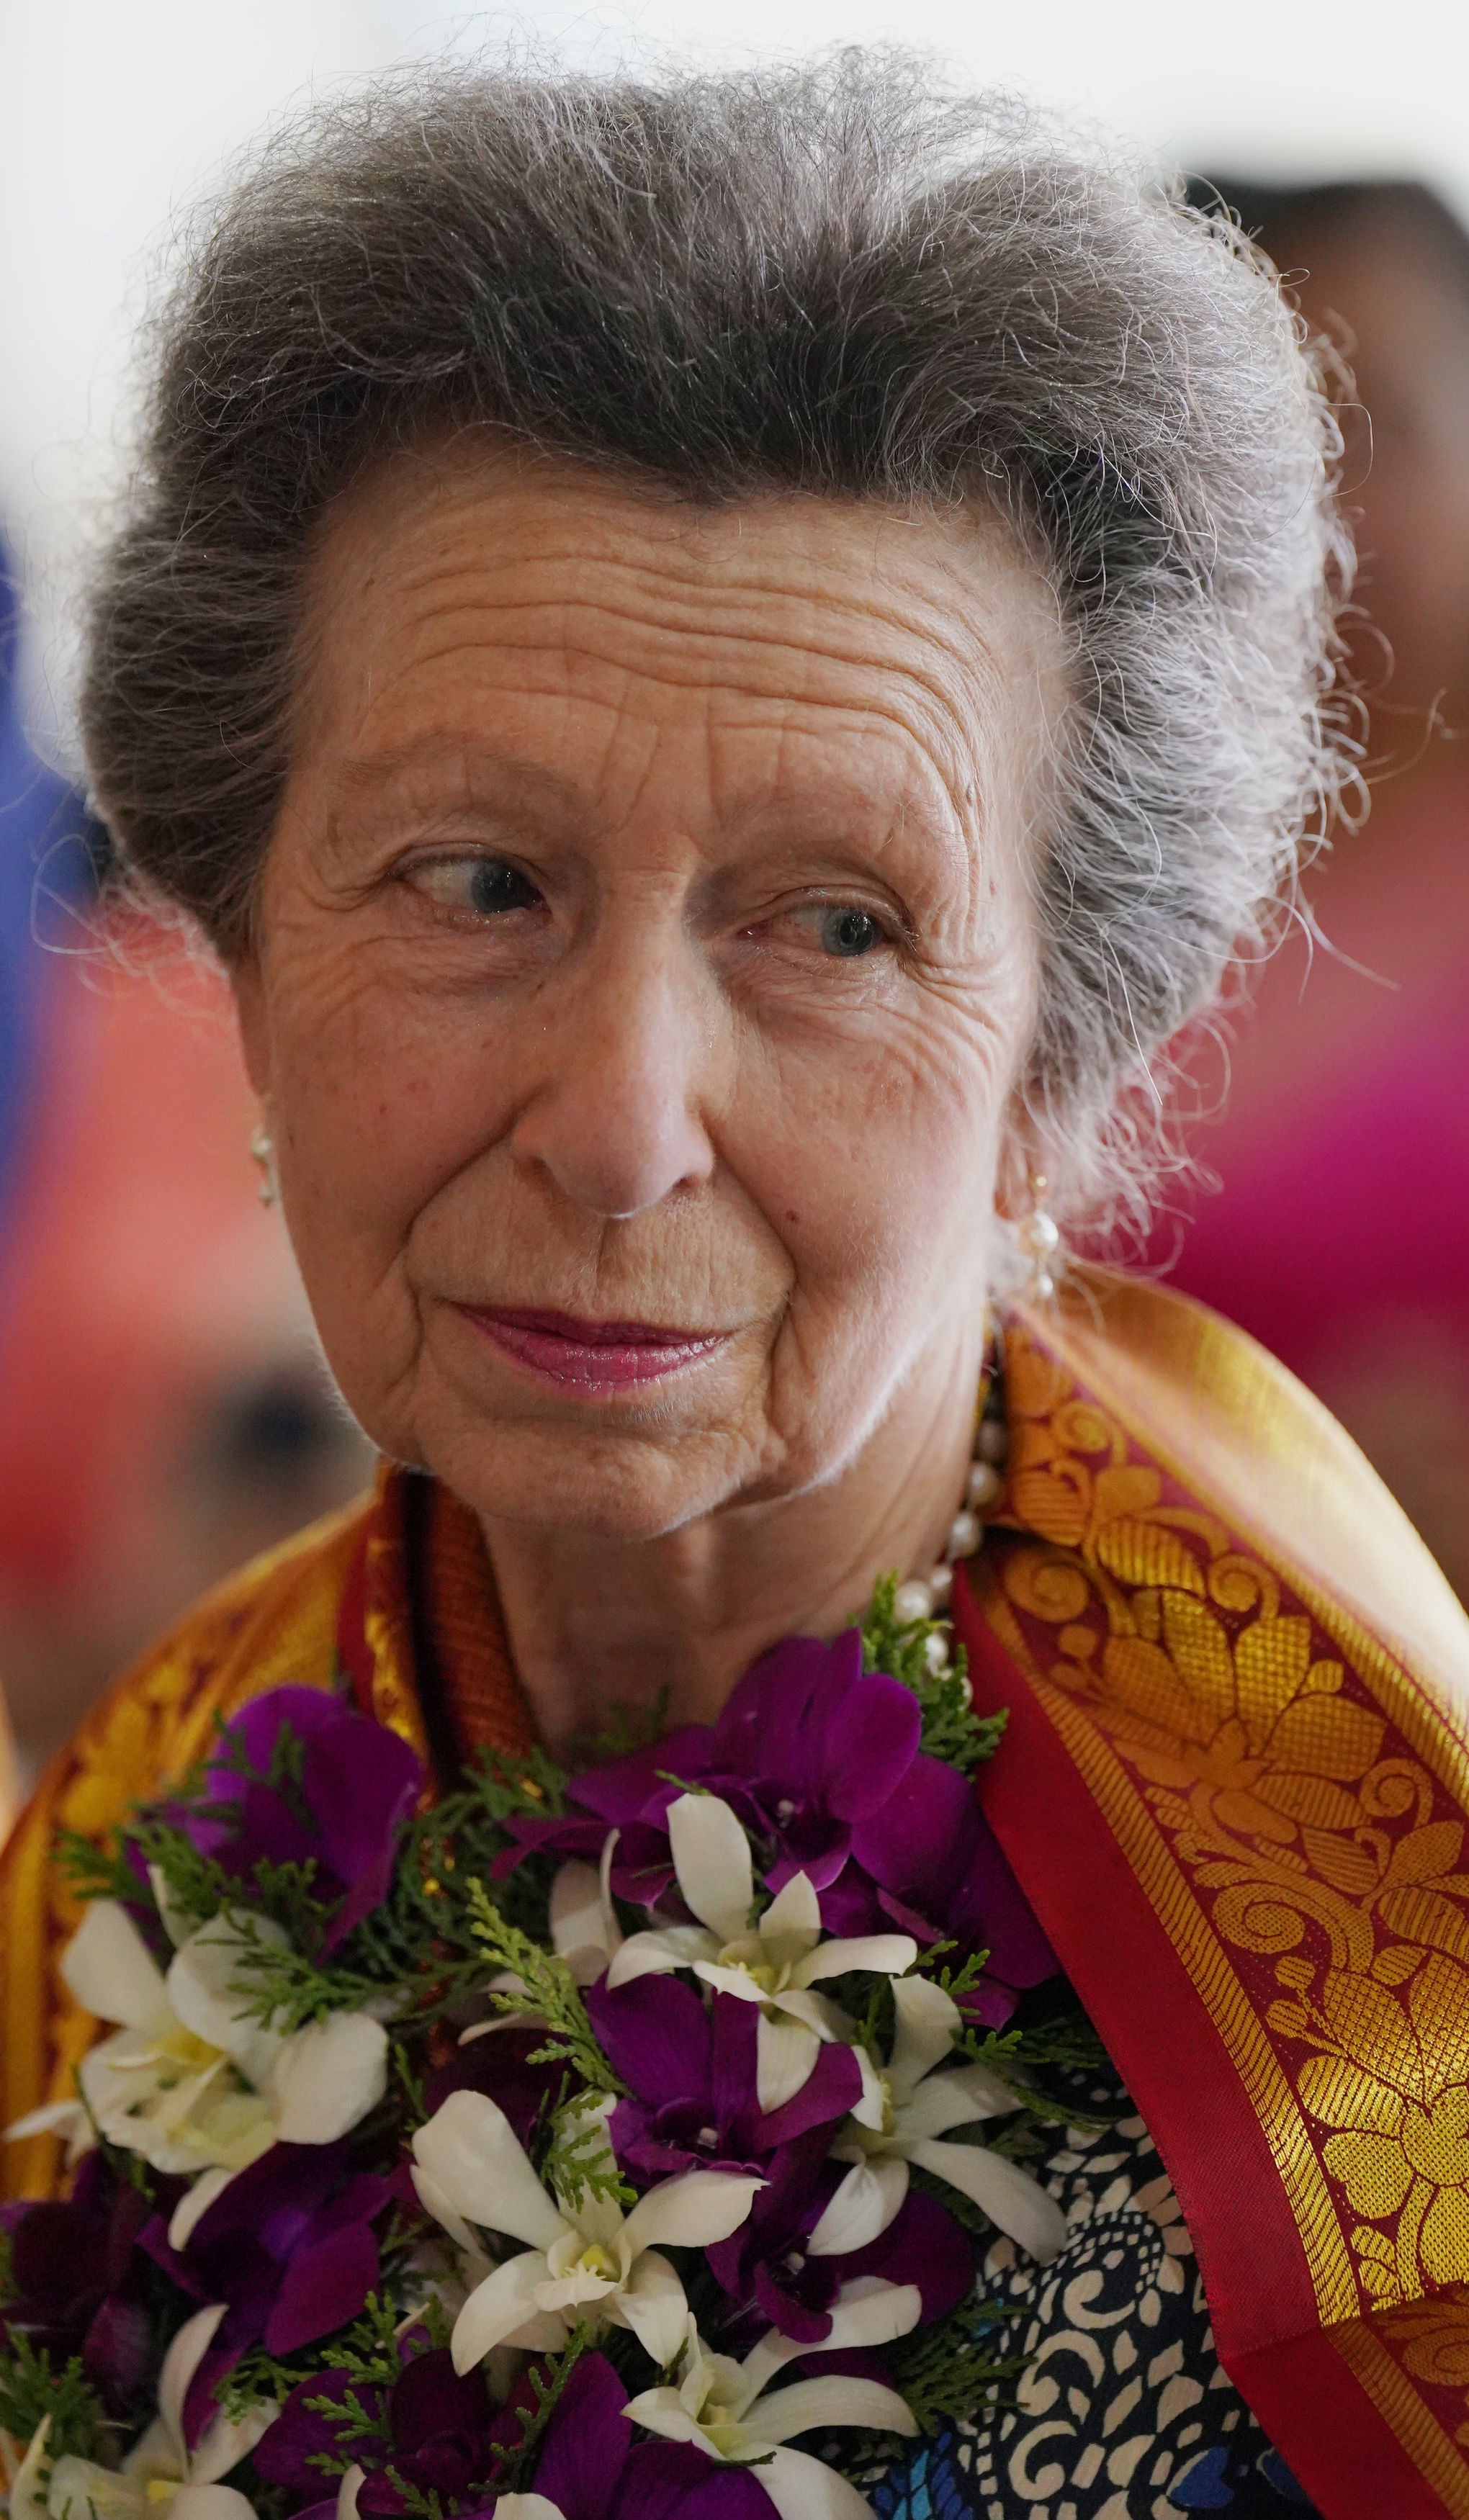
x: 841, y: 279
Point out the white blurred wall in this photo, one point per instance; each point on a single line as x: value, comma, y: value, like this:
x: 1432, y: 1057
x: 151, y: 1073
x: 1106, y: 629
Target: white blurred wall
x: 114, y: 116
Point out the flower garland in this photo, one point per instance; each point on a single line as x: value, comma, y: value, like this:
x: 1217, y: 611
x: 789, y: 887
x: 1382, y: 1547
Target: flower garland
x: 564, y: 2149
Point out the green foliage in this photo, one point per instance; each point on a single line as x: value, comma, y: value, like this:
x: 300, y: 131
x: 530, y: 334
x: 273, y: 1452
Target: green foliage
x: 1052, y: 2059
x: 580, y: 2163
x: 945, y: 2371
x: 256, y: 2378
x: 951, y: 1731
x: 30, y: 2390
x: 95, y: 1872
x: 423, y: 2506
x: 944, y: 2374
x: 1035, y: 2053
x: 370, y: 2350
x: 877, y: 2020
x: 353, y: 2423
x: 1010, y: 2055
x: 547, y: 2376
x: 545, y: 1991
x: 370, y: 2354
x: 955, y: 1983
x: 627, y: 1729
x: 1065, y: 2039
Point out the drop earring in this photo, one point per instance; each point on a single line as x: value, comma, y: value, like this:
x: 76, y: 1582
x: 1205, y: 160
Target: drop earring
x: 1039, y: 1236
x: 262, y: 1148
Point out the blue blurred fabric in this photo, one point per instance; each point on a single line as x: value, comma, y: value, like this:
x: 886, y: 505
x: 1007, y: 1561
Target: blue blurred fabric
x: 45, y: 862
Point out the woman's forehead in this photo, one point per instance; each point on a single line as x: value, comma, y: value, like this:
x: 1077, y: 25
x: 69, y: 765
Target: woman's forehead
x: 461, y: 589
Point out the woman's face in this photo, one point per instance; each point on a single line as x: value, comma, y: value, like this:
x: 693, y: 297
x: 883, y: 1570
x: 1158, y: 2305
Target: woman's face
x: 647, y: 962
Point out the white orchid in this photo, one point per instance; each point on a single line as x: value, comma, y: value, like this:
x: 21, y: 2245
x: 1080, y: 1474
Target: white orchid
x: 727, y: 2409
x: 588, y: 2259
x: 775, y: 1962
x: 191, y: 2080
x: 584, y: 1928
x: 162, y: 2478
x: 906, y: 2106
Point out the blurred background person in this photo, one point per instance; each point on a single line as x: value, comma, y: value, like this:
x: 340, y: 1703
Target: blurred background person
x: 1339, y: 1236
x: 163, y: 1414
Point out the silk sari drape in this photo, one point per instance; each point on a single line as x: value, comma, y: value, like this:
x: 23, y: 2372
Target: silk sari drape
x: 1234, y: 1785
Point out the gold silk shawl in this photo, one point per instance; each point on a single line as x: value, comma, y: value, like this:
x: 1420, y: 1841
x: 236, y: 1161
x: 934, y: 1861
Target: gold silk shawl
x: 1234, y: 1786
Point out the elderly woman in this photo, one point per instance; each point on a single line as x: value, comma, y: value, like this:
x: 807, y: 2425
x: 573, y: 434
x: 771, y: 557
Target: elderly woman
x: 724, y: 666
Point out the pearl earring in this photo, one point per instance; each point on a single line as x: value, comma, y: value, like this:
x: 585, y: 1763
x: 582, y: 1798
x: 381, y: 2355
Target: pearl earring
x: 1039, y: 1236
x: 262, y: 1148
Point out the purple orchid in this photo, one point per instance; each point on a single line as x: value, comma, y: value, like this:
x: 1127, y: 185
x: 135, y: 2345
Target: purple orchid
x: 498, y: 2063
x: 772, y: 2274
x: 590, y: 2468
x: 77, y: 2284
x: 358, y: 1789
x: 820, y: 1761
x: 436, y: 2430
x: 440, y: 2435
x: 809, y: 1744
x: 929, y: 1863
x: 289, y: 2246
x: 691, y: 2076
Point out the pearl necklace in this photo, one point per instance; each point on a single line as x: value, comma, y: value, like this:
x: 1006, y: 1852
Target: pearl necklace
x: 927, y: 1597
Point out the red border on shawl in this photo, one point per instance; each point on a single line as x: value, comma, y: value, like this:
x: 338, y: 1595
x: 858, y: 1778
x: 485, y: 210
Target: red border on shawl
x: 1158, y: 2032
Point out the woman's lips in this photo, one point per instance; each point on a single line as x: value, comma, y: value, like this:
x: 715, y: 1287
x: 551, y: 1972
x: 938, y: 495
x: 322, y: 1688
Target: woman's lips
x: 591, y: 1356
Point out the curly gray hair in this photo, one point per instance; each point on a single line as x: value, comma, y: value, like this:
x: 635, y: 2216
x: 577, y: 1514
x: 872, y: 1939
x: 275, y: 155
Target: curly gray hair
x: 838, y: 279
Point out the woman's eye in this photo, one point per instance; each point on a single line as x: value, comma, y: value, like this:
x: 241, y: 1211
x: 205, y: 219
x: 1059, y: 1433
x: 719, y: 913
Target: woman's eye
x: 483, y: 887
x: 849, y: 932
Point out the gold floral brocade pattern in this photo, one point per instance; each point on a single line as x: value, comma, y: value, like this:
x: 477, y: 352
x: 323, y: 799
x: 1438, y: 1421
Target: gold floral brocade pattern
x: 1308, y: 1859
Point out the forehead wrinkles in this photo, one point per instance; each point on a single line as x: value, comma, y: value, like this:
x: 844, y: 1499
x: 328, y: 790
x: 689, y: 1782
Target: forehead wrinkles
x: 795, y: 605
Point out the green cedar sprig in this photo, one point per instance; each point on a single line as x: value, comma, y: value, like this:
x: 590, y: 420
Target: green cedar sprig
x: 95, y: 1872
x: 580, y: 2163
x: 547, y: 2377
x: 951, y: 1730
x: 626, y: 1728
x: 31, y: 2389
x: 370, y: 2354
x: 544, y: 1992
x: 946, y: 2371
x: 369, y: 2351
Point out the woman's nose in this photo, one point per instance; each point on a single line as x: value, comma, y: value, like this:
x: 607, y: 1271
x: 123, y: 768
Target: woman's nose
x: 617, y: 1121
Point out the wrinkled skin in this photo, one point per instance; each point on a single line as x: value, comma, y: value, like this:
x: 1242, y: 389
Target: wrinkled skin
x: 647, y: 936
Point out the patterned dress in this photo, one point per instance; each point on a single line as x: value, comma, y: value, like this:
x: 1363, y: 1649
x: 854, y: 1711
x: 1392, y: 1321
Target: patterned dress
x: 1122, y: 2412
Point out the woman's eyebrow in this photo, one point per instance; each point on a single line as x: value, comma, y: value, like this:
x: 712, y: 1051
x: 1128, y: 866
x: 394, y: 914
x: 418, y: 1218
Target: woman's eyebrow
x: 460, y: 770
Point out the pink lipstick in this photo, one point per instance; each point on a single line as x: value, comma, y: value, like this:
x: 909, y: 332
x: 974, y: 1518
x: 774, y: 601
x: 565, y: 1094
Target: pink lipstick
x: 590, y: 1356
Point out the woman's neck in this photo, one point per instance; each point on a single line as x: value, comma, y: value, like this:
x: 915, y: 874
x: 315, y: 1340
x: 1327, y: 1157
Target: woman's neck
x: 595, y: 1624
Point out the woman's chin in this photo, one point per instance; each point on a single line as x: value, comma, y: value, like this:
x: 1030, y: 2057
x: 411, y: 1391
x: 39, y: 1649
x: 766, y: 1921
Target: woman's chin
x: 617, y: 1483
